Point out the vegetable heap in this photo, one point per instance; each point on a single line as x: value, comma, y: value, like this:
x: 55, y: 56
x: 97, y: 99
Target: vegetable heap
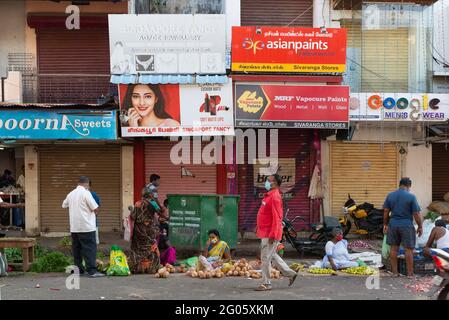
x: 165, y: 271
x: 316, y: 270
x: 297, y: 267
x: 364, y: 270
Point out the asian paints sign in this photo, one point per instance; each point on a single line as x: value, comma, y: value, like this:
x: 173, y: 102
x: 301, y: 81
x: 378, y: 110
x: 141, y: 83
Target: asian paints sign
x: 61, y: 125
x: 399, y: 107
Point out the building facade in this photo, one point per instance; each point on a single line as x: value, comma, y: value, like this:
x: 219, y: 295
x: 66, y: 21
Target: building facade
x: 64, y: 72
x: 396, y: 61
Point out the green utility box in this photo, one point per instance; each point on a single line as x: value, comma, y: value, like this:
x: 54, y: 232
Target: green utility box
x: 192, y: 216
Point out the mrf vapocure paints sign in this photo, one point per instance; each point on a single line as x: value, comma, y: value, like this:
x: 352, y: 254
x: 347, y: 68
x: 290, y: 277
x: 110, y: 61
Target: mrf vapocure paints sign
x: 399, y: 107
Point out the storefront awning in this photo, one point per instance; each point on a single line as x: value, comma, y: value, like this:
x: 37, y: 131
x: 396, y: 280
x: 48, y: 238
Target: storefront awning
x: 168, y: 79
x: 439, y: 130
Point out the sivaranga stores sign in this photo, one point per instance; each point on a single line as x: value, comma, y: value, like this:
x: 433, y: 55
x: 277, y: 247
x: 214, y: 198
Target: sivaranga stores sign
x: 285, y: 49
x: 291, y: 106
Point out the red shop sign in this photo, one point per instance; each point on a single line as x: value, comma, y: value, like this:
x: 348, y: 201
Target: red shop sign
x: 291, y: 106
x: 286, y: 49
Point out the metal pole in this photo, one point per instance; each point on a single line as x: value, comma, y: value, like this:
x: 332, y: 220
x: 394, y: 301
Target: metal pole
x: 3, y: 89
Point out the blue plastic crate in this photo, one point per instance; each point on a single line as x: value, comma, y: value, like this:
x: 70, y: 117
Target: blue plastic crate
x: 421, y: 265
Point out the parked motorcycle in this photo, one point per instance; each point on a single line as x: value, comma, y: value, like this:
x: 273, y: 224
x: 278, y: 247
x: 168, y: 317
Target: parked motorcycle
x: 366, y: 218
x: 441, y: 280
x: 315, y: 243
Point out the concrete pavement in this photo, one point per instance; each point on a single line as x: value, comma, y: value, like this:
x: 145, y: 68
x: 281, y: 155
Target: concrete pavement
x: 180, y: 286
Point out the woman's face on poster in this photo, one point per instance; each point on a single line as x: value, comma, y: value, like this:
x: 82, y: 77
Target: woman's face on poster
x: 143, y: 100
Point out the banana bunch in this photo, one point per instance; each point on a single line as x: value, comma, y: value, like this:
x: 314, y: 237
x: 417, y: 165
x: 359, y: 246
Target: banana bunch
x: 297, y: 267
x: 363, y: 270
x: 321, y: 271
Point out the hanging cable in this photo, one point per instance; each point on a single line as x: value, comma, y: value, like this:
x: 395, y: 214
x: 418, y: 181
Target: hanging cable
x: 300, y: 15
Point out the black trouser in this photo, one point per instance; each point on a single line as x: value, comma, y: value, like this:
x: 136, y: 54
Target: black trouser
x: 4, y: 216
x: 84, y: 246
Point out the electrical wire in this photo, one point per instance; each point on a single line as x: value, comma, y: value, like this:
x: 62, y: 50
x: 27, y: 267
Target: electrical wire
x: 379, y: 75
x: 300, y: 15
x: 322, y: 13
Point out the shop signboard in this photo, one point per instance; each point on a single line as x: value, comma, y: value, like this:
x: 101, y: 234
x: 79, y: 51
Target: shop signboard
x: 58, y: 125
x: 288, y: 49
x: 402, y: 107
x: 285, y: 168
x: 167, y: 43
x: 291, y: 106
x: 148, y: 110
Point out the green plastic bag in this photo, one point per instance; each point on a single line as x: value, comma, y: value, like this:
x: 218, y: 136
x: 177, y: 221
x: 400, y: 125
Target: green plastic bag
x: 190, y: 262
x: 361, y: 263
x: 118, y: 263
x: 385, y: 248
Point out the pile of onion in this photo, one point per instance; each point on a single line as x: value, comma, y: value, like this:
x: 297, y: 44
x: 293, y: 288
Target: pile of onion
x: 162, y: 273
x: 208, y: 274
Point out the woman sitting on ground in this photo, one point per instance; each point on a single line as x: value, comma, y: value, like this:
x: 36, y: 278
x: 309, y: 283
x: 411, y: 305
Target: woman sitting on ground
x: 337, y: 255
x: 217, y: 252
x: 440, y: 235
x: 168, y: 253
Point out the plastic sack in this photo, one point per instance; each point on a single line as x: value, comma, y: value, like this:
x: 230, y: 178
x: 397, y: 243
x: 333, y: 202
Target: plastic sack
x: 370, y: 259
x: 226, y: 267
x: 190, y: 262
x: 3, y: 265
x: 385, y: 248
x: 128, y: 223
x: 118, y: 263
x: 201, y: 266
x: 427, y: 227
x: 361, y: 263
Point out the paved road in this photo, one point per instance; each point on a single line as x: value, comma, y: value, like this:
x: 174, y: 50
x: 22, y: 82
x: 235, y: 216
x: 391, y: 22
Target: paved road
x: 180, y: 286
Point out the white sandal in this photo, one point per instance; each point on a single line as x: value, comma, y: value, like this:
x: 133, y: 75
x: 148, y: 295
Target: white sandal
x: 263, y: 287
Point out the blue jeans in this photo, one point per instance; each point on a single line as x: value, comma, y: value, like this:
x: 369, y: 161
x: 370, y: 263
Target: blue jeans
x: 18, y: 217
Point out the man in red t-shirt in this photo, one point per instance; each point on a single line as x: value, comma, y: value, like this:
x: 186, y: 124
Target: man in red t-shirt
x: 269, y: 230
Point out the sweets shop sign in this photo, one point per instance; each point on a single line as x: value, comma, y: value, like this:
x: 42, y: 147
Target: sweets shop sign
x: 399, y: 107
x: 59, y: 125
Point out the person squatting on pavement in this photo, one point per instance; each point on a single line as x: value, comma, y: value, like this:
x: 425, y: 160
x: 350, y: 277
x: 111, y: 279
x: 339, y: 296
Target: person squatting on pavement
x: 269, y: 230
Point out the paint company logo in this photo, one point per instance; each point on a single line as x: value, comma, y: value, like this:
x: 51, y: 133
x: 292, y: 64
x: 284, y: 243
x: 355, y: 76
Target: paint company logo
x: 250, y: 44
x: 281, y: 44
x: 249, y: 102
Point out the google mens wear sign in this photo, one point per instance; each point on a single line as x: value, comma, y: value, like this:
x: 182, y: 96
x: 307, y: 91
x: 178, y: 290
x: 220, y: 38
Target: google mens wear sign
x: 399, y: 107
x: 60, y: 125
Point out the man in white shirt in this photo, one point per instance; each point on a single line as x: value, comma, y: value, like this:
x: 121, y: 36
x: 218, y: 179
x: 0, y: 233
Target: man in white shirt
x: 82, y: 211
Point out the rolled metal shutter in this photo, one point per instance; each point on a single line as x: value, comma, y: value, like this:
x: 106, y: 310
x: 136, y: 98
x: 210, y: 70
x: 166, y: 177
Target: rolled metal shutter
x: 294, y: 143
x: 59, y: 170
x: 157, y: 161
x: 73, y: 64
x: 366, y: 171
x: 440, y: 171
x: 277, y: 13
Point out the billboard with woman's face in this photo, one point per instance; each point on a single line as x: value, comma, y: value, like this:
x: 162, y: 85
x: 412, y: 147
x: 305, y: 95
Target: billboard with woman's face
x: 176, y: 110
